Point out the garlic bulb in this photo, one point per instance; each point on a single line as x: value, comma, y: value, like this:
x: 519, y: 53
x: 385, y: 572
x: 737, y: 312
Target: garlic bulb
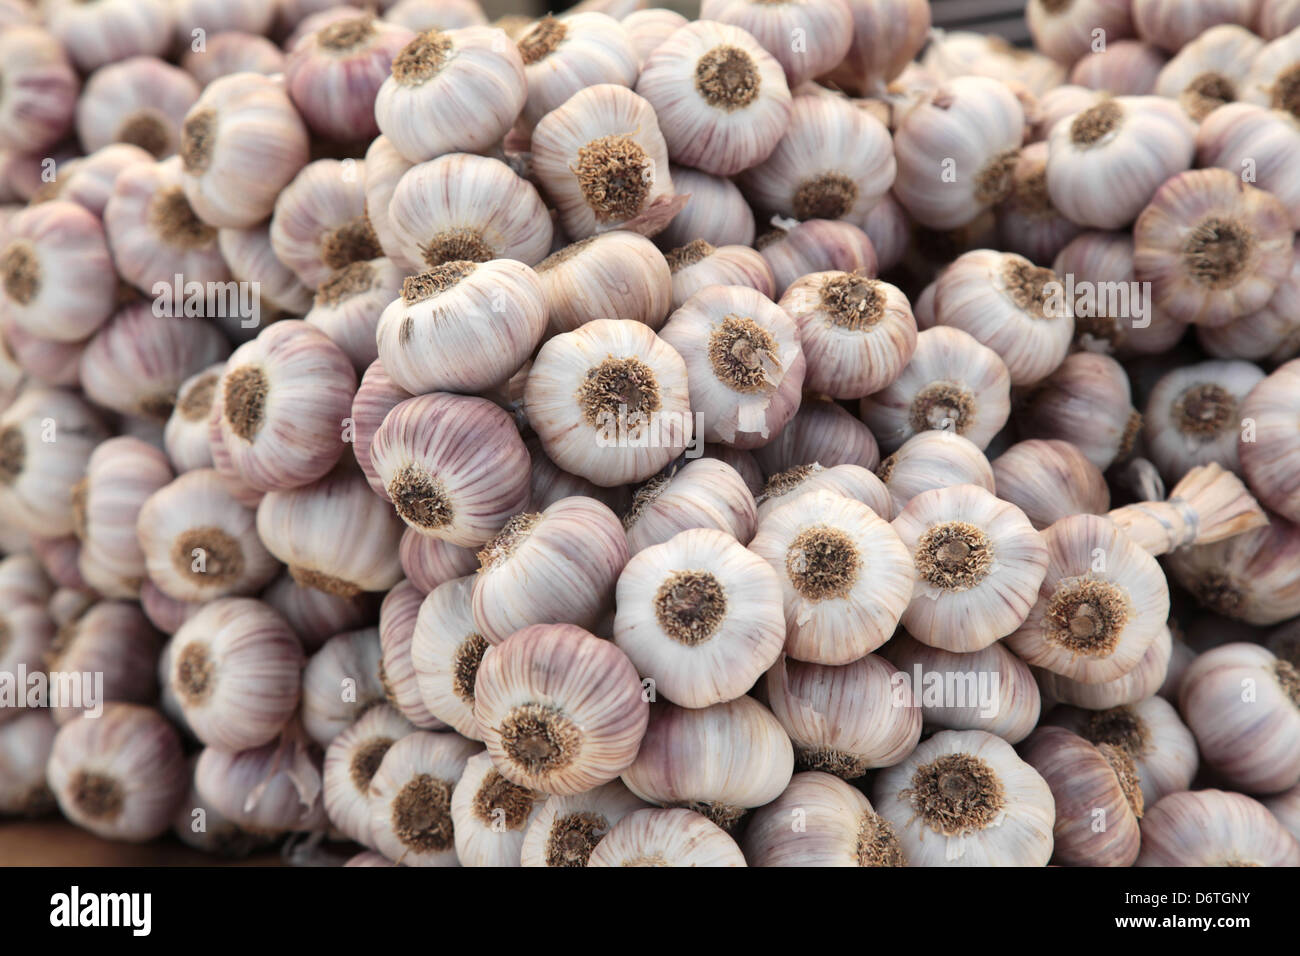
x: 351, y: 761
x: 603, y: 161
x: 887, y: 35
x: 46, y: 438
x: 1250, y: 577
x: 436, y: 14
x: 266, y: 790
x: 410, y: 798
x: 1153, y: 673
x: 743, y: 361
x: 1265, y: 449
x: 464, y: 207
x: 1028, y: 222
x: 109, y: 30
x: 610, y: 402
x: 549, y: 484
x: 316, y: 616
x: 281, y: 406
x: 232, y: 52
x: 439, y: 487
x: 929, y: 460
x: 1171, y: 25
x: 137, y: 360
x: 334, y: 73
x: 825, y: 26
x: 113, y: 641
x: 252, y: 258
x: 1214, y: 828
x: 340, y: 683
x: 703, y: 493
x: 820, y: 821
x: 716, y: 211
x: 1098, y: 800
x: 612, y: 273
x: 1163, y: 750
x: 121, y: 775
x: 376, y: 396
x: 698, y: 265
x: 56, y: 276
x: 821, y: 432
x: 1209, y: 71
x: 491, y: 815
x: 674, y: 837
x: 235, y: 669
x: 952, y: 383
x: 453, y: 92
x: 844, y: 720
x: 26, y: 637
x: 719, y: 760
x: 956, y: 150
x: 320, y: 223
x: 1049, y: 480
x: 1086, y: 402
x: 121, y: 474
x: 1193, y: 416
x: 1123, y: 68
x: 857, y: 334
x: 462, y: 326
x: 568, y: 828
x: 714, y: 77
x: 818, y: 245
x: 570, y: 53
x: 429, y: 562
x: 700, y: 615
x: 40, y: 89
x: 89, y: 181
x: 1243, y: 705
x: 1212, y: 247
x: 241, y: 143
x: 397, y: 619
x: 851, y: 481
x: 648, y: 28
x: 348, y: 304
x: 846, y: 578
x: 1258, y: 144
x: 1273, y: 75
x: 25, y: 745
x: 978, y: 565
x: 1066, y: 31
x: 384, y: 168
x: 185, y: 436
x: 141, y: 101
x: 835, y: 161
x: 446, y: 650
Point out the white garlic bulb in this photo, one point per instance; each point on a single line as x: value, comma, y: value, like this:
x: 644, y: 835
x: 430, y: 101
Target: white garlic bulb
x: 1214, y: 828
x: 491, y: 815
x: 703, y: 493
x: 569, y: 827
x: 820, y: 821
x: 446, y: 650
x: 674, y: 837
x: 563, y: 55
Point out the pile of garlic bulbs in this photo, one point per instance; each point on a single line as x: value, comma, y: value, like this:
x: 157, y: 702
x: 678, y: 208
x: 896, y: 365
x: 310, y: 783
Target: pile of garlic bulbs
x: 789, y: 437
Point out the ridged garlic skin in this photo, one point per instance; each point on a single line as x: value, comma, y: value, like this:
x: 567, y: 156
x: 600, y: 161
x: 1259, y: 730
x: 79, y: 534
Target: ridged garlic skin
x: 241, y: 144
x: 1246, y: 136
x: 428, y: 562
x: 844, y: 720
x: 698, y: 265
x: 1214, y: 828
x: 1087, y: 402
x: 1241, y: 702
x: 454, y: 466
x: 140, y: 100
x: 887, y: 35
x: 1049, y: 480
x: 1209, y: 71
x: 851, y: 481
x: 350, y: 764
x: 25, y: 745
x: 185, y: 436
x: 30, y: 634
x: 994, y: 809
x: 40, y: 89
x: 818, y: 245
x: 266, y: 790
x: 1102, y: 603
x: 1171, y: 25
x: 603, y: 161
x: 1193, y: 416
x: 951, y: 383
x: 1267, y: 461
x: 743, y: 363
x: 491, y: 815
x: 446, y: 650
x: 701, y: 616
x: 610, y: 402
x: 113, y: 641
x: 462, y: 327
x: 569, y: 828
x: 704, y: 493
x: 410, y: 798
x: 820, y: 821
x: 1006, y: 303
x: 717, y: 211
x: 461, y: 206
x: 1253, y: 577
x: 821, y: 432
x: 973, y: 126
x: 576, y: 51
x: 421, y: 15
x: 252, y: 258
x: 384, y: 167
x: 719, y: 760
x: 1143, y: 681
x: 722, y: 100
x: 58, y: 280
x: 316, y: 616
x: 121, y: 474
x: 340, y: 683
x: 826, y: 27
x: 856, y: 334
x: 348, y: 304
x: 1124, y: 68
x: 991, y: 689
x: 319, y: 223
x: 1286, y: 808
x: 453, y: 92
x: 376, y: 396
x: 398, y: 614
x: 109, y: 30
x: 233, y: 52
x: 675, y: 837
x: 1065, y: 32
x: 930, y: 460
x: 120, y: 775
x: 617, y: 273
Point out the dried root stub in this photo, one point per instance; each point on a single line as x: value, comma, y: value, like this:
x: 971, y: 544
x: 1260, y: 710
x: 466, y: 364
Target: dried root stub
x: 956, y: 794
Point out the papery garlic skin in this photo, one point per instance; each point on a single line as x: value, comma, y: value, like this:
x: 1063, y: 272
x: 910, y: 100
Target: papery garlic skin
x: 446, y: 650
x: 610, y: 402
x: 319, y: 223
x: 1214, y: 828
x: 1273, y: 75
x: 410, y: 798
x: 818, y: 245
x: 268, y: 789
x: 973, y: 127
x: 398, y: 615
x: 453, y: 92
x: 840, y: 827
x: 1124, y: 68
x: 1003, y: 816
x: 1245, y: 137
x: 698, y: 265
x: 384, y: 167
x: 675, y: 837
x: 1286, y: 808
x: 1028, y: 221
x: 40, y: 89
x: 462, y: 327
x: 376, y: 396
x: 1171, y: 25
x: 1151, y: 675
x: 252, y: 258
x: 140, y: 101
x: 120, y: 775
x: 25, y: 745
x: 454, y: 466
x: 348, y: 304
x: 114, y: 642
x: 703, y: 493
x: 714, y: 77
x: 887, y: 35
x: 1194, y: 417
x: 568, y: 828
x: 846, y: 577
x: 232, y: 52
x: 716, y: 211
x: 648, y: 28
x: 825, y: 25
x: 1086, y: 401
x: 700, y: 615
x: 1213, y: 247
x: 851, y: 481
x: 1209, y: 71
x: 929, y: 460
x: 422, y: 15
x: 573, y: 52
x: 109, y: 30
x: 617, y: 273
x: 316, y: 616
x: 491, y: 815
x: 1065, y: 31
x: 821, y: 432
x: 1049, y: 480
x: 241, y: 143
x: 340, y: 683
x: 351, y: 761
x: 1266, y: 451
